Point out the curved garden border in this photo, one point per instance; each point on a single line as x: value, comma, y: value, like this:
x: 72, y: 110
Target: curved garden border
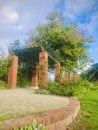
x: 53, y: 120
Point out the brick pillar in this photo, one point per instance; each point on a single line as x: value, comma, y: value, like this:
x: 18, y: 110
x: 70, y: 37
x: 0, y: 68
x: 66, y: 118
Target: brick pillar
x: 35, y: 76
x: 43, y: 69
x: 57, y: 72
x: 12, y: 74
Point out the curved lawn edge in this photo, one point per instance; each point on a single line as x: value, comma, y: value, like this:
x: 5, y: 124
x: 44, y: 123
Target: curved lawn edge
x: 53, y: 120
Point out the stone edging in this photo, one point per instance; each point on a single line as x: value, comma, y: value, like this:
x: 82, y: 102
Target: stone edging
x: 53, y: 120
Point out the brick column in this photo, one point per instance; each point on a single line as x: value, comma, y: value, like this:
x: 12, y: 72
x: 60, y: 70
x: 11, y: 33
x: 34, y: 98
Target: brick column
x: 43, y: 69
x: 57, y: 71
x: 35, y: 76
x: 12, y: 74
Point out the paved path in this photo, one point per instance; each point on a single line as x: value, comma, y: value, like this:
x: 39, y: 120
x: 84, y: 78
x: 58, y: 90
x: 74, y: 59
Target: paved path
x: 17, y: 102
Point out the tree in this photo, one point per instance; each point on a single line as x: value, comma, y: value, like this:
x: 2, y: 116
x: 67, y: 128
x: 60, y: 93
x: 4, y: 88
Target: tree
x: 65, y: 42
x: 4, y: 65
x: 92, y: 73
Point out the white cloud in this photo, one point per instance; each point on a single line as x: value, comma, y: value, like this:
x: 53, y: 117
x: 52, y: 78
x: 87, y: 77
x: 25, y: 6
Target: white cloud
x: 74, y: 8
x: 93, y: 24
x: 10, y: 14
x: 17, y: 17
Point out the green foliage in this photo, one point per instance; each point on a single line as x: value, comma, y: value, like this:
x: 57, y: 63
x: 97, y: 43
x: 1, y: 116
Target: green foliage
x: 24, y: 76
x: 87, y: 119
x: 42, y: 91
x: 79, y: 87
x: 56, y: 88
x: 24, y: 68
x: 23, y: 82
x: 74, y: 88
x: 92, y: 73
x: 4, y: 65
x: 3, y: 85
x: 62, y: 41
x: 90, y: 110
x: 95, y: 83
x: 34, y: 126
x: 25, y: 63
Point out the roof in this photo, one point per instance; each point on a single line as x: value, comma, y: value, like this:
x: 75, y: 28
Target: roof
x: 31, y: 55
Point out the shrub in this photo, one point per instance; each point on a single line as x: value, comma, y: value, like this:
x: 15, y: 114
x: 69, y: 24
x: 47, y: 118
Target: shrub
x: 56, y: 88
x: 34, y: 126
x: 42, y: 91
x: 78, y: 87
x: 4, y: 65
x: 23, y: 77
x: 23, y: 82
x: 3, y: 85
x: 52, y: 88
x: 73, y: 88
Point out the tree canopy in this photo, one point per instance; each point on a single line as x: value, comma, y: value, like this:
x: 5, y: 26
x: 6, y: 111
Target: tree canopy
x: 65, y: 42
x: 92, y: 73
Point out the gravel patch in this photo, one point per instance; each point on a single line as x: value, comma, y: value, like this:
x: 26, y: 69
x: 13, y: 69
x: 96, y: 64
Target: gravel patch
x: 24, y: 101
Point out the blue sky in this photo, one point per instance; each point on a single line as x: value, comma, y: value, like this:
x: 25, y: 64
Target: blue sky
x: 18, y: 17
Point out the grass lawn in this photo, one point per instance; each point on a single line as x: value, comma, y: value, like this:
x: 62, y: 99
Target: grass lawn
x: 88, y: 117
